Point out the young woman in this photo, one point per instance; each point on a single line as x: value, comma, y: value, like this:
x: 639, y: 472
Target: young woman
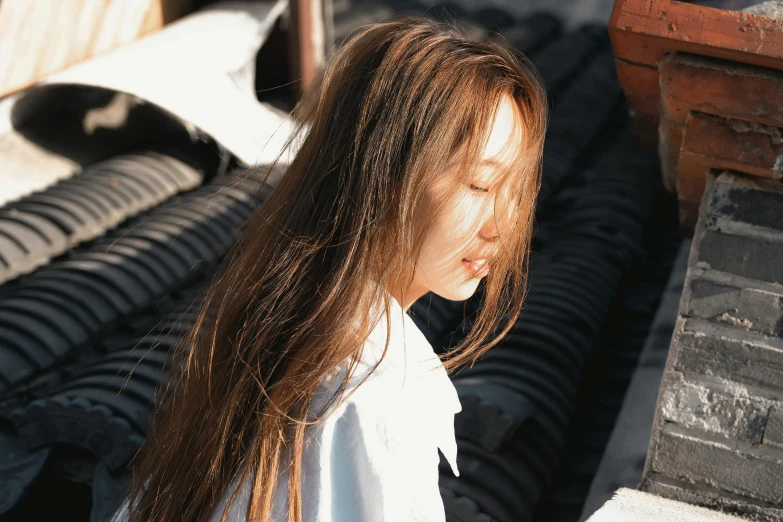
x: 306, y: 392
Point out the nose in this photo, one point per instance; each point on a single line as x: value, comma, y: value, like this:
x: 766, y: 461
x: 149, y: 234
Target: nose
x: 495, y: 224
x: 496, y: 221
x: 489, y: 232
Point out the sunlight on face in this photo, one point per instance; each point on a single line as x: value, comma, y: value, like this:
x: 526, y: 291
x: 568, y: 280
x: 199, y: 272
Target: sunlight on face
x: 456, y: 250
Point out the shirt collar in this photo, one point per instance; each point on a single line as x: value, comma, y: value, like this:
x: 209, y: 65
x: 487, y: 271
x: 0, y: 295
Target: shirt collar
x: 425, y: 376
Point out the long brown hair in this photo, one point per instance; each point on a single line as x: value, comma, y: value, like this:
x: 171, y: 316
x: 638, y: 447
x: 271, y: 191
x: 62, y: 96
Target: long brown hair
x: 394, y: 105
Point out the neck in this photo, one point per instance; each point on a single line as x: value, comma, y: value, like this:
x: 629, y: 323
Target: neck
x: 409, y: 296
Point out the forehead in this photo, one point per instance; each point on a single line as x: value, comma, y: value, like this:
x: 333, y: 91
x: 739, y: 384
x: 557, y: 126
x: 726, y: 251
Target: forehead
x: 504, y: 140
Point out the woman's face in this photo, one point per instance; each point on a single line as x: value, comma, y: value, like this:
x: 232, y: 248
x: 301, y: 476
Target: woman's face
x: 462, y: 239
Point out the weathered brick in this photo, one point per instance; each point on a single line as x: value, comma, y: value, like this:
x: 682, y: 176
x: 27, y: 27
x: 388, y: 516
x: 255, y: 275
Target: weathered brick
x: 640, y: 84
x: 709, y: 299
x: 751, y: 257
x: 773, y: 434
x: 724, y: 143
x: 689, y: 214
x: 643, y: 31
x: 714, y: 61
x: 719, y: 87
x: 747, y: 200
x: 669, y: 142
x: 755, y: 309
x: 636, y: 80
x: 696, y: 406
x: 750, y: 361
x: 721, y: 463
x: 692, y: 170
x: 714, y: 143
x: 691, y: 84
x: 761, y: 310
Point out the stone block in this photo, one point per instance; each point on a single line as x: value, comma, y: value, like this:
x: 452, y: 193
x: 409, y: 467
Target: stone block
x: 629, y: 504
x: 710, y: 299
x: 721, y: 463
x: 773, y: 433
x: 751, y: 257
x: 761, y: 311
x: 755, y: 360
x: 752, y: 308
x: 747, y: 200
x: 698, y: 407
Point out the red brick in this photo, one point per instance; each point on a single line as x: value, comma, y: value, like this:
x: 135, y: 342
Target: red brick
x: 643, y: 31
x: 736, y: 74
x: 692, y: 171
x: 721, y: 88
x: 640, y: 84
x: 670, y: 141
x: 689, y: 214
x: 711, y: 142
x: 732, y: 144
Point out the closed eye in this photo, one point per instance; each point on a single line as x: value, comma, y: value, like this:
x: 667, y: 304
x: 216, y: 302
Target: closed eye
x: 478, y: 189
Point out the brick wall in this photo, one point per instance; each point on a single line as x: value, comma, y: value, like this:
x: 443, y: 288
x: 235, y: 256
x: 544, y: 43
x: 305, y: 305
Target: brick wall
x: 718, y: 431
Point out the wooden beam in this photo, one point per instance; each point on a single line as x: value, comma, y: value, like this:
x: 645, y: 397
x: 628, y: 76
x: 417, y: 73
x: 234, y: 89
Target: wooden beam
x: 308, y: 41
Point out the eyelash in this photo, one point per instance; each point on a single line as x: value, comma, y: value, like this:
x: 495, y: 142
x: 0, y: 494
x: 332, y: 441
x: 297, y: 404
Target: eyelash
x: 478, y: 189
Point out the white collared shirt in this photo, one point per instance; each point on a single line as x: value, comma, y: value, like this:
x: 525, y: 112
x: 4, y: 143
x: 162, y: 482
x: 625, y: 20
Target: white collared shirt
x: 375, y: 459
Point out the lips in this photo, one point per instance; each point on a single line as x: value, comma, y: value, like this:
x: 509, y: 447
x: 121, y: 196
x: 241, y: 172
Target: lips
x: 479, y: 266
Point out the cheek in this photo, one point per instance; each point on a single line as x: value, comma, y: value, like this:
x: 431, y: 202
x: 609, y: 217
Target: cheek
x: 455, y: 231
x: 463, y: 220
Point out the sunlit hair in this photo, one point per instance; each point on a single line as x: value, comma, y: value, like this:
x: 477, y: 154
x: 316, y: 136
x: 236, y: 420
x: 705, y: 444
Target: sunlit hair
x: 395, y: 105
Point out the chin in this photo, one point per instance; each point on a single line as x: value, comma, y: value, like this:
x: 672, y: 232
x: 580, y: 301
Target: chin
x: 458, y: 292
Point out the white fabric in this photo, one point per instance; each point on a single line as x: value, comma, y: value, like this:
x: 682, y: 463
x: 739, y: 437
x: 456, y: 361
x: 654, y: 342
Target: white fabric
x: 375, y: 459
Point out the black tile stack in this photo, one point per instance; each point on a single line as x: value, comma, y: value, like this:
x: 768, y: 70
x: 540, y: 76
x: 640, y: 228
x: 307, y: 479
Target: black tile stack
x: 97, y: 416
x: 56, y: 310
x: 609, y: 370
x: 82, y: 355
x: 44, y: 224
x: 528, y: 33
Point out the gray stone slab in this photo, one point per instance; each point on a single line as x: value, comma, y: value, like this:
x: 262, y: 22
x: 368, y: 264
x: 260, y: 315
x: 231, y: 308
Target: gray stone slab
x: 721, y: 463
x: 717, y: 429
x: 628, y: 504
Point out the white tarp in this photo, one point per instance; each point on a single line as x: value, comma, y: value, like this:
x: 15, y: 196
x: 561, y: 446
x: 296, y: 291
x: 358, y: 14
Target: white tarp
x: 200, y: 69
